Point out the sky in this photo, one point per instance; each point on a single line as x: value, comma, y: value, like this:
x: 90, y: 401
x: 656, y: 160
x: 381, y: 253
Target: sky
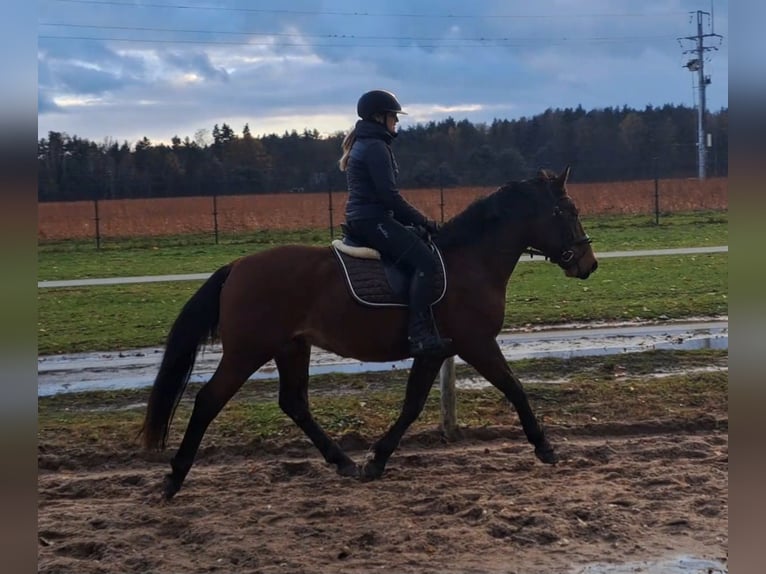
x: 123, y: 70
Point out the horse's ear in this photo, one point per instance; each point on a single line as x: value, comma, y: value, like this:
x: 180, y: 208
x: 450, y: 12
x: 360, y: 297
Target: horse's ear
x: 562, y: 179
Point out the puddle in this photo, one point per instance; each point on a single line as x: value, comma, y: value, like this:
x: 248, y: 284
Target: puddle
x: 137, y: 368
x: 679, y: 565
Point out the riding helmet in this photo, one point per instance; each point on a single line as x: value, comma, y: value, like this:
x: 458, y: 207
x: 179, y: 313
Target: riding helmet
x: 377, y: 102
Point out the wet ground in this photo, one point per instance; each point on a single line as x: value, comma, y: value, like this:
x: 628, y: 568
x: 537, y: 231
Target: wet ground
x: 137, y: 368
x: 679, y: 565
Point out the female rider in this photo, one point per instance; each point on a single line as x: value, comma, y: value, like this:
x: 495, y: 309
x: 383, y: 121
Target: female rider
x: 378, y: 215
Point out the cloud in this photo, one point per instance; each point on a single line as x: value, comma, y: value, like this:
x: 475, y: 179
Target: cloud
x: 282, y: 66
x: 45, y: 103
x: 85, y: 79
x: 196, y: 64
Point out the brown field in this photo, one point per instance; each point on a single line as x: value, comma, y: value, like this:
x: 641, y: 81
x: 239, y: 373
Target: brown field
x: 172, y: 216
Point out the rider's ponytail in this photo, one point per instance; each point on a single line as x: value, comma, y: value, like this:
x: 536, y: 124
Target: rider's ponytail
x: 348, y: 141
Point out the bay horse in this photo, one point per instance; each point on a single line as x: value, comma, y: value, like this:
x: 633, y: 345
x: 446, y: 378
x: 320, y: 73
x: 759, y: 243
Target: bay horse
x: 278, y: 303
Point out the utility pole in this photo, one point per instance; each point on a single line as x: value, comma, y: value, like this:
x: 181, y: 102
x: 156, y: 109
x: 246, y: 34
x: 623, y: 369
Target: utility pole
x: 697, y: 64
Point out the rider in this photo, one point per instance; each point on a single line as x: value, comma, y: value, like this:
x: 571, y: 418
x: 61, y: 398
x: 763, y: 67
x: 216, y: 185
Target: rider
x: 377, y: 214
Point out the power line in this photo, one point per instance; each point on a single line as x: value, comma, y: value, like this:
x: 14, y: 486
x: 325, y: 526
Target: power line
x: 375, y: 14
x: 342, y: 36
x: 562, y: 41
x: 350, y: 36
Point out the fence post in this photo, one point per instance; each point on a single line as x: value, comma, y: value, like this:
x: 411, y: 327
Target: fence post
x: 447, y: 372
x: 448, y: 399
x: 329, y: 206
x: 656, y: 194
x: 215, y: 216
x: 441, y: 191
x: 98, y: 224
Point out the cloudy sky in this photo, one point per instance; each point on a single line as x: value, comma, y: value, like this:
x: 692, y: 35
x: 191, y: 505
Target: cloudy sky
x: 128, y: 69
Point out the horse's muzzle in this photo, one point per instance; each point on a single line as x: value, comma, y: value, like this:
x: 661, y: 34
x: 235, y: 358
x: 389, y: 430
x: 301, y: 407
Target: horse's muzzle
x: 580, y: 271
x: 585, y: 274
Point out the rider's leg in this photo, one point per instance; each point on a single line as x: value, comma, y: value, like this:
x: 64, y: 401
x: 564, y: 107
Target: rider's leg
x: 406, y: 249
x: 423, y: 337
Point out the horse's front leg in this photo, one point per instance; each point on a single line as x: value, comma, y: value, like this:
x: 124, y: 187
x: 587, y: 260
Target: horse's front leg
x: 293, y: 365
x: 487, y: 358
x: 419, y: 383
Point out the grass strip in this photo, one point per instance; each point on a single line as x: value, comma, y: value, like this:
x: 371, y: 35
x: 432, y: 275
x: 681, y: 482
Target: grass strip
x: 104, y: 318
x: 599, y: 390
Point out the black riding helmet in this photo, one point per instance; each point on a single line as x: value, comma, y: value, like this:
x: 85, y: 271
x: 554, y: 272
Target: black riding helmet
x: 378, y: 102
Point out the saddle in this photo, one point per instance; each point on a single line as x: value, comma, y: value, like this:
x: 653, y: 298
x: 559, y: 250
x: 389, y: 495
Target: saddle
x: 375, y: 281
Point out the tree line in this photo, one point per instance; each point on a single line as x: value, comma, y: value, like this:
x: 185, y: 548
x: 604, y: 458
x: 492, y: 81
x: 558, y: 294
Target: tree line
x: 609, y: 144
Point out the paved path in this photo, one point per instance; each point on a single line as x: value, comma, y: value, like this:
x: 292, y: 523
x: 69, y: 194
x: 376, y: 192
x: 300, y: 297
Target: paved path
x: 203, y: 276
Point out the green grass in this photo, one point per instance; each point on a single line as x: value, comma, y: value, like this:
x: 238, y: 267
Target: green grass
x: 661, y: 287
x: 128, y: 316
x: 109, y: 317
x: 697, y: 229
x: 159, y: 255
x: 607, y: 389
x: 198, y: 254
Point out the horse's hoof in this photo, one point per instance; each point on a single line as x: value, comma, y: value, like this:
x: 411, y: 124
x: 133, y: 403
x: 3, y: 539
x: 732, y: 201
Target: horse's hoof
x: 371, y: 471
x: 351, y: 469
x: 170, y: 487
x: 547, y: 455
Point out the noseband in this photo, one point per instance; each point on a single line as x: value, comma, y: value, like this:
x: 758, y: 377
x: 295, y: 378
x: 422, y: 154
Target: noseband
x: 566, y: 257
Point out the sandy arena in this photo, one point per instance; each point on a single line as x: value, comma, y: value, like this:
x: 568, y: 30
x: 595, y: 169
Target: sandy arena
x: 624, y: 493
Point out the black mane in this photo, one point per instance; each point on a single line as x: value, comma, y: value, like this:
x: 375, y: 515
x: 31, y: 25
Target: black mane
x: 510, y: 202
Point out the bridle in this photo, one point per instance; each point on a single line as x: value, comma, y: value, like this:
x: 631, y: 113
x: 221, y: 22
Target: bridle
x: 566, y: 257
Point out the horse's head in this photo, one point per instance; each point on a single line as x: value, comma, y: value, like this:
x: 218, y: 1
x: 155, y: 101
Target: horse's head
x: 557, y: 232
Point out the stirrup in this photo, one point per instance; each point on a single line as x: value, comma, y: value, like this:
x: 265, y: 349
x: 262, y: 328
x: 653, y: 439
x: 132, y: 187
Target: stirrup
x: 435, y: 346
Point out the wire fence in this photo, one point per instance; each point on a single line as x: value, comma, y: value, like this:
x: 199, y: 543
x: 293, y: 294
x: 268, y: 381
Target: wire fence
x: 212, y: 218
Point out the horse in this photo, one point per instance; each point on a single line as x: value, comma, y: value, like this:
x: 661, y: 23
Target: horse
x: 278, y: 303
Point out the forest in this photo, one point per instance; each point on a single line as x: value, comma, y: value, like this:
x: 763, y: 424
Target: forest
x: 609, y: 144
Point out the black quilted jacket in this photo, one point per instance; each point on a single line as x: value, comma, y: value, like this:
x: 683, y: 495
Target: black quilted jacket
x: 371, y: 175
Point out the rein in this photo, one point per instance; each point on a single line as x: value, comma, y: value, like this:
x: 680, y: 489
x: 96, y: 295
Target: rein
x: 567, y: 254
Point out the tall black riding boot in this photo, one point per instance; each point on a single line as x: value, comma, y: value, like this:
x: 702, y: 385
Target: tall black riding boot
x: 423, y: 337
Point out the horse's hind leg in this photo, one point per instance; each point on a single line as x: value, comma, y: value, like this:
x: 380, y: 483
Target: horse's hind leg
x: 419, y: 383
x: 488, y: 360
x: 293, y: 363
x: 231, y: 374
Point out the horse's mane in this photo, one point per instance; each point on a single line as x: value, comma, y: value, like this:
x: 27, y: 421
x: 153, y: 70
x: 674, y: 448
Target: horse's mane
x: 512, y: 201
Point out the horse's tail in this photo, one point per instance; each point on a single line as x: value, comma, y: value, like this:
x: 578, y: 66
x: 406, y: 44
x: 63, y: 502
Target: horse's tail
x: 194, y: 326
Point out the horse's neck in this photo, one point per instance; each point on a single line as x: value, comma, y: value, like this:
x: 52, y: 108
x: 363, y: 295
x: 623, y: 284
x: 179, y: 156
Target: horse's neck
x: 502, y: 262
x: 493, y: 263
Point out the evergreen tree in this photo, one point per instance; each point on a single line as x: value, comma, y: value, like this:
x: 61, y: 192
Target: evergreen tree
x: 609, y: 144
